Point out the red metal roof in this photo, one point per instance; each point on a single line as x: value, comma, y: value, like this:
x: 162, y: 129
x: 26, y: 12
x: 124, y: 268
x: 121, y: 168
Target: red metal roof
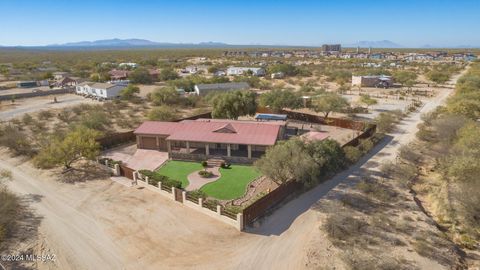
x: 211, y: 132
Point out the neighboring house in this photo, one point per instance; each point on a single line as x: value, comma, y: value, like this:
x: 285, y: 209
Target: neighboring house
x: 106, y: 90
x: 59, y: 75
x: 372, y: 81
x: 235, y: 141
x: 100, y: 90
x: 204, y: 89
x: 118, y: 75
x: 82, y: 88
x: 234, y: 71
x: 66, y: 82
x: 43, y: 83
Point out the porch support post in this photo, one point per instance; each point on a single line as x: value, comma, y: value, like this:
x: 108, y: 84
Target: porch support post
x: 188, y: 147
x: 169, y: 147
x: 249, y: 147
x: 228, y: 150
x: 207, y: 149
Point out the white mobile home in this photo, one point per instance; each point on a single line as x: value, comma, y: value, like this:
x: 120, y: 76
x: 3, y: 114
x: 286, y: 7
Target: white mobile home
x: 106, y: 90
x: 82, y: 88
x: 100, y: 90
x: 233, y: 71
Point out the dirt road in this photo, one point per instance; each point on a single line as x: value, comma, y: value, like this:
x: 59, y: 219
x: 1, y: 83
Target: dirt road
x: 104, y: 225
x: 31, y: 105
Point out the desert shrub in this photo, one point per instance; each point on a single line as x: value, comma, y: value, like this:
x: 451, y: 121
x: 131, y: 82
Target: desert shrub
x: 352, y: 154
x: 9, y: 212
x: 365, y: 146
x: 385, y: 122
x: 27, y: 119
x: 408, y: 154
x: 17, y: 141
x: 66, y: 115
x: 45, y: 115
x: 342, y: 228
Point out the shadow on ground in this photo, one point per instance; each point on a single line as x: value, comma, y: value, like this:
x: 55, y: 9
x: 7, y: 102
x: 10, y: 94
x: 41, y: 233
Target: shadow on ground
x: 23, y: 238
x: 282, y: 218
x: 83, y: 172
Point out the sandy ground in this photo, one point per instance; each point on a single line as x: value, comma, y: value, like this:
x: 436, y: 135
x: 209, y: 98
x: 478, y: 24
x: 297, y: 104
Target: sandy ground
x: 105, y: 225
x: 31, y: 105
x: 23, y: 90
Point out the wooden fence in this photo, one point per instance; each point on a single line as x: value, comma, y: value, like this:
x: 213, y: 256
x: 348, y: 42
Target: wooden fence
x: 116, y: 139
x: 364, y: 135
x: 260, y: 207
x: 312, y: 118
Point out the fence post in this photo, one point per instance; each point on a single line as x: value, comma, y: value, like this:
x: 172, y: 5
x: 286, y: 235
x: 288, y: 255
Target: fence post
x: 200, y: 202
x: 240, y: 221
x: 146, y: 179
x: 219, y: 209
x: 160, y: 185
x: 184, y: 196
x: 173, y: 193
x: 117, y: 170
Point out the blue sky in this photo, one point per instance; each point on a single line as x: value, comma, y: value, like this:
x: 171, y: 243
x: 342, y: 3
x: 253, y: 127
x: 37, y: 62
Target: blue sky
x: 300, y: 22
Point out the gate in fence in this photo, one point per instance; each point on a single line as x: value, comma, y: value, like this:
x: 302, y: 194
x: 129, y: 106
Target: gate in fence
x: 126, y: 171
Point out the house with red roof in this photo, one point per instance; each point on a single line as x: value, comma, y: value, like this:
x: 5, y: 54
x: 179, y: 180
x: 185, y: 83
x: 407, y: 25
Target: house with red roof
x: 201, y: 139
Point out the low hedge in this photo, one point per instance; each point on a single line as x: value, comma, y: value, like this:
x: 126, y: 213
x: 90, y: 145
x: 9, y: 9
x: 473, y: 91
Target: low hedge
x: 154, y: 178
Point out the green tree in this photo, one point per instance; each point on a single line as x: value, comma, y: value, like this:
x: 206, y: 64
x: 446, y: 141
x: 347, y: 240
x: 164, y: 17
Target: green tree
x: 129, y: 92
x: 279, y: 99
x: 327, y: 154
x: 162, y: 113
x: 328, y: 103
x: 77, y: 144
x: 167, y: 74
x: 140, y: 76
x: 165, y: 96
x: 233, y: 104
x: 288, y: 161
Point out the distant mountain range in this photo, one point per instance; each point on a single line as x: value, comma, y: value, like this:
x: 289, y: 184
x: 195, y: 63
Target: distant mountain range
x: 143, y: 43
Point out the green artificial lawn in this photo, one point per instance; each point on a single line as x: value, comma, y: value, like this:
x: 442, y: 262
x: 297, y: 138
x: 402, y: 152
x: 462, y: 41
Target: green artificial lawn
x: 179, y: 170
x: 232, y: 184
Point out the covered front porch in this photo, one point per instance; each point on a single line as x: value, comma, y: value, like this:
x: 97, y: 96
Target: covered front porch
x: 216, y: 149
